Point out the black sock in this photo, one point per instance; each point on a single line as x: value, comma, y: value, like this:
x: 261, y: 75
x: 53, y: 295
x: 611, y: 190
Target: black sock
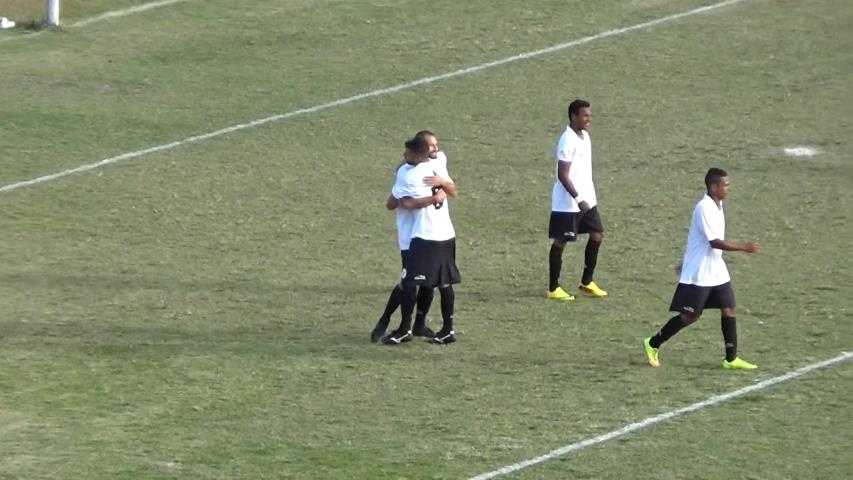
x: 729, y: 336
x: 393, y: 302
x: 424, y: 301
x: 555, y: 263
x: 590, y: 258
x: 448, y: 298
x: 407, y: 307
x: 671, y: 328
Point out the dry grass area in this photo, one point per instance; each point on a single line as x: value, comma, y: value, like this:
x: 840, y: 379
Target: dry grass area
x: 23, y: 12
x: 32, y: 13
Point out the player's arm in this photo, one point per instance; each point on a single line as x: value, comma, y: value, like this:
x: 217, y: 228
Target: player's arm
x: 423, y: 202
x: 563, y: 169
x: 716, y: 242
x: 391, y: 203
x: 748, y: 247
x: 450, y: 189
x: 441, y: 177
x: 399, y: 190
x: 445, y: 184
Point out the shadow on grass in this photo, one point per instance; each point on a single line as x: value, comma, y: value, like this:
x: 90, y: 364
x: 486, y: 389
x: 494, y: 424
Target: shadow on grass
x: 227, y: 315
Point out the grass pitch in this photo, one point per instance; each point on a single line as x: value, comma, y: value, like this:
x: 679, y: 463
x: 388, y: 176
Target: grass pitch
x: 204, y: 312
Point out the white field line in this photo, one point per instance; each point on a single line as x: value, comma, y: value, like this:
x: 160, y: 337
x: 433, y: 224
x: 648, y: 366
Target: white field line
x: 123, y: 13
x: 802, y: 151
x: 22, y: 36
x: 104, y: 16
x: 362, y: 96
x: 709, y: 402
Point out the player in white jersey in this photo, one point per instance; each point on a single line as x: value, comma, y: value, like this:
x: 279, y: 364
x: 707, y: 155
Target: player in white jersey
x: 705, y: 280
x: 574, y: 207
x: 431, y: 261
x: 405, y: 220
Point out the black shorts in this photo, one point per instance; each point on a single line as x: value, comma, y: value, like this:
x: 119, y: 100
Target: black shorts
x: 431, y: 263
x: 567, y: 225
x: 693, y: 298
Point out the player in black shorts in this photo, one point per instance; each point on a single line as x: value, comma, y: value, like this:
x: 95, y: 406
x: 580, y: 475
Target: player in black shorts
x: 431, y: 259
x: 704, y: 278
x: 574, y: 207
x: 404, y: 222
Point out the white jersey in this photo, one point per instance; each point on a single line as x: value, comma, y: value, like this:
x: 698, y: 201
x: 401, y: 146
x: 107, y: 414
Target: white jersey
x: 439, y: 164
x: 703, y: 265
x: 430, y: 223
x: 578, y: 151
x: 406, y: 217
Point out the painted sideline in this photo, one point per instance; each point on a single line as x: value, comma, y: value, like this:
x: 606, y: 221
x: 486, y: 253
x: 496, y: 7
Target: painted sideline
x: 362, y: 96
x: 123, y: 13
x: 709, y: 402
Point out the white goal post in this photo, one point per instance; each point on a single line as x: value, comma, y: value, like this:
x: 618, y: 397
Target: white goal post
x: 52, y: 13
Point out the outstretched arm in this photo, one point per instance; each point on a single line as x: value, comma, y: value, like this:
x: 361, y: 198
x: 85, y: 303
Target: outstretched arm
x: 748, y: 247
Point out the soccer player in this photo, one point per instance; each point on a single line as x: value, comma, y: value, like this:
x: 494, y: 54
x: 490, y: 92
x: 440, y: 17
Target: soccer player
x: 405, y: 219
x: 574, y: 209
x: 705, y: 280
x: 431, y: 259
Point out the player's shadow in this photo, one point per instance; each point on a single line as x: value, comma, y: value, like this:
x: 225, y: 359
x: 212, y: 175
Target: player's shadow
x: 102, y: 282
x: 236, y: 314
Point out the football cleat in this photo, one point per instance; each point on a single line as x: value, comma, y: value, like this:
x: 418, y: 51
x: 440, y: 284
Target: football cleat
x: 560, y: 294
x: 397, y: 337
x: 379, y: 330
x: 651, y: 353
x: 738, y: 364
x: 593, y: 289
x: 444, y: 337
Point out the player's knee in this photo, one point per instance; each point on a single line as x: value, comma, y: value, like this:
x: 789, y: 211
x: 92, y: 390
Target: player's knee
x: 728, y: 312
x: 558, y: 244
x: 688, y: 318
x: 596, y: 236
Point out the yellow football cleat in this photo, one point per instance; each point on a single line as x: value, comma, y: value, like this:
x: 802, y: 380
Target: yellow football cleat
x: 593, y: 289
x: 560, y: 294
x: 738, y: 364
x: 651, y: 353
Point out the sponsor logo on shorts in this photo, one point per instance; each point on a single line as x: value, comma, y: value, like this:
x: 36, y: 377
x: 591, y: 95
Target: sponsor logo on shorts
x: 420, y: 277
x: 403, y: 273
x: 688, y: 309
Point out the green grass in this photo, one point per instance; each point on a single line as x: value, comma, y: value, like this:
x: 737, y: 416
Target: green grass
x: 779, y: 434
x: 204, y: 312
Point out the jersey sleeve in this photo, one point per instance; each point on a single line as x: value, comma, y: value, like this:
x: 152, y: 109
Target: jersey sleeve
x: 439, y: 165
x: 410, y: 185
x: 565, y: 151
x: 403, y: 189
x: 707, y: 226
x: 399, y: 180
